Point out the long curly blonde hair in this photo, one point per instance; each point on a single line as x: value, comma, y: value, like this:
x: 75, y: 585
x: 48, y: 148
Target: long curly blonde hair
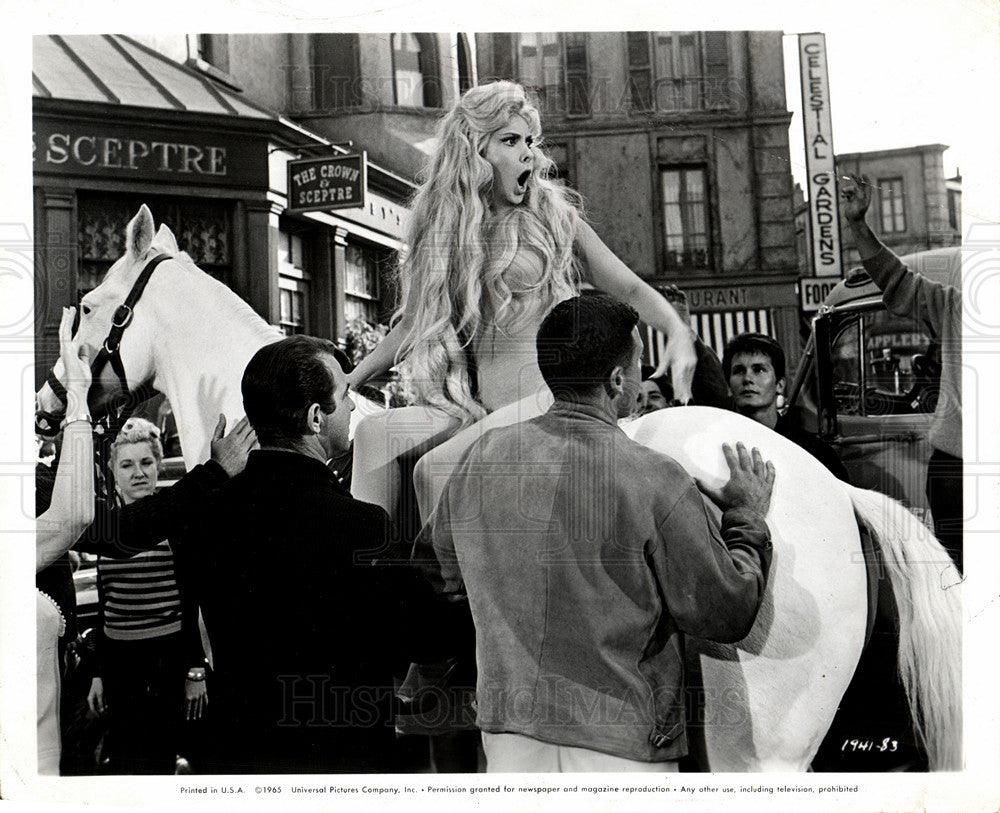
x: 452, y: 270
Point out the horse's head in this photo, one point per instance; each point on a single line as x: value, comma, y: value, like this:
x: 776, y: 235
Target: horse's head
x: 99, y: 310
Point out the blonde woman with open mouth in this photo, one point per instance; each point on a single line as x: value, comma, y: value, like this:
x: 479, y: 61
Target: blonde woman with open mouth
x: 492, y: 245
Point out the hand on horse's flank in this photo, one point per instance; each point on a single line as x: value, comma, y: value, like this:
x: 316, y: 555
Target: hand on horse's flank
x: 231, y: 451
x: 750, y: 481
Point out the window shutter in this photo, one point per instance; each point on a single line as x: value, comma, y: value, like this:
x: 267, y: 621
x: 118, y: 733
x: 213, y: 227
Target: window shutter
x: 577, y: 78
x: 503, y: 53
x: 640, y: 81
x: 336, y: 71
x: 716, y: 92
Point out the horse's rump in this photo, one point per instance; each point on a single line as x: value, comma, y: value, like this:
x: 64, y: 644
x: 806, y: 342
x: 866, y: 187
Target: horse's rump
x: 769, y: 699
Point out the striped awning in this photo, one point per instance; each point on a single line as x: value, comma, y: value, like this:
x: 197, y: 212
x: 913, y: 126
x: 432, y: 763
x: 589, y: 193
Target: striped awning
x: 715, y: 329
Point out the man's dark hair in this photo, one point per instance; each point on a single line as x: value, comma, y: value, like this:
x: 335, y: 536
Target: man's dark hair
x: 754, y: 343
x: 582, y: 340
x: 282, y: 380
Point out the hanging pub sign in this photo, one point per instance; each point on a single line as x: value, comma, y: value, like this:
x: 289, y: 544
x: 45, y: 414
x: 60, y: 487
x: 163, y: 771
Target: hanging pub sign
x: 322, y: 184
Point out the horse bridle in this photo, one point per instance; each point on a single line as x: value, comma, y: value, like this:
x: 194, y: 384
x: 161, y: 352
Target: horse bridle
x: 110, y: 352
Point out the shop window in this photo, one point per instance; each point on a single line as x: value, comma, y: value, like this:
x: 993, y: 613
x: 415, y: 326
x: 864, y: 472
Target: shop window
x: 890, y: 191
x: 361, y: 288
x: 292, y: 307
x: 203, y: 232
x: 677, y: 71
x: 685, y: 218
x: 202, y: 229
x: 414, y: 69
x: 293, y: 285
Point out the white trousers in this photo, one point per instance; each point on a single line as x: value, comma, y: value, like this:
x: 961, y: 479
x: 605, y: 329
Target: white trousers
x: 515, y: 753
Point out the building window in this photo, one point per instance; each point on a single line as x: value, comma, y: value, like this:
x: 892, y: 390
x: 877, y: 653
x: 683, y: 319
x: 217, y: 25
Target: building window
x: 465, y: 78
x: 360, y: 285
x: 555, y: 66
x: 685, y: 217
x: 955, y: 204
x: 292, y: 304
x: 540, y: 65
x: 677, y: 71
x: 336, y: 71
x: 503, y: 56
x: 414, y: 64
x: 214, y: 49
x: 560, y: 154
x: 891, y: 198
x: 293, y: 285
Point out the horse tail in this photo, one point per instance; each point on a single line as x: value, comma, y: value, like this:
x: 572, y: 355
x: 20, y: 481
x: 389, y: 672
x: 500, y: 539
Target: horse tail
x: 929, y: 601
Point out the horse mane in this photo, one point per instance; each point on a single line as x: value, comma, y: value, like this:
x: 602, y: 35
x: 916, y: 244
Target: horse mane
x: 242, y: 313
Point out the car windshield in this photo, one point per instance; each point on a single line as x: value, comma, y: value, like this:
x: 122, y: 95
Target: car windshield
x: 882, y: 365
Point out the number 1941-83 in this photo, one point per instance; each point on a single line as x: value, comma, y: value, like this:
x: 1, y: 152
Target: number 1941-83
x: 887, y: 744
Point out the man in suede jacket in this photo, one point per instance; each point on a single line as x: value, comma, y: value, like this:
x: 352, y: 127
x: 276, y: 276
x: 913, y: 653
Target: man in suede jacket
x: 586, y: 557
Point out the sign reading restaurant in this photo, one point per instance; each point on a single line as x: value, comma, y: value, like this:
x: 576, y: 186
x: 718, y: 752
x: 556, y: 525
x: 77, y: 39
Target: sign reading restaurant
x: 822, y: 180
x: 91, y: 148
x: 322, y: 184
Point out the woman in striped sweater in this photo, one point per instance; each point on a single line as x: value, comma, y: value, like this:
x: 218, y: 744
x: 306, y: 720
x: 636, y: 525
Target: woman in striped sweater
x: 150, y: 664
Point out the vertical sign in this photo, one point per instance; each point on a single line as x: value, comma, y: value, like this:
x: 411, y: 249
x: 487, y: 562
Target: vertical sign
x: 824, y: 225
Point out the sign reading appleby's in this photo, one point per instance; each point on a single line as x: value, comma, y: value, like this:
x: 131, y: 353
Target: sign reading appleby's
x: 321, y: 184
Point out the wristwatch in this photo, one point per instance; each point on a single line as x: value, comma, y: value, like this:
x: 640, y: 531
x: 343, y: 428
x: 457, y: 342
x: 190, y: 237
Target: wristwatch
x: 196, y: 674
x: 77, y: 416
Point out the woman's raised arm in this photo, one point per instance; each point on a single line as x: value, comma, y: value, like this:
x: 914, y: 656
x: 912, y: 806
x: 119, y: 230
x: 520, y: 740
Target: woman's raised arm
x: 383, y: 357
x: 608, y: 273
x: 71, y: 509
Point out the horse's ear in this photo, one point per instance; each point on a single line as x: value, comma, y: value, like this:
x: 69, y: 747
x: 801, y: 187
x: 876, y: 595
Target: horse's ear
x: 165, y: 240
x: 139, y: 235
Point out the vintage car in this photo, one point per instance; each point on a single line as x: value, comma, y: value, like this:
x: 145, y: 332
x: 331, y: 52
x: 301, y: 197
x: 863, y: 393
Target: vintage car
x: 868, y: 381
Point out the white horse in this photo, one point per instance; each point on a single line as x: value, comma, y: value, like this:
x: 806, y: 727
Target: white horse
x: 769, y: 699
x: 190, y: 338
x: 795, y: 665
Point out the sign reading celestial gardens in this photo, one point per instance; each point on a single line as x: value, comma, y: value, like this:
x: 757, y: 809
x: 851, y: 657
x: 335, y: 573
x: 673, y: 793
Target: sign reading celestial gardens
x: 323, y: 184
x: 823, y: 217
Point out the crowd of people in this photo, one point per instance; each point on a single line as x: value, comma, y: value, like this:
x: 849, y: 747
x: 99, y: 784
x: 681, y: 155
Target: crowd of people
x: 516, y: 318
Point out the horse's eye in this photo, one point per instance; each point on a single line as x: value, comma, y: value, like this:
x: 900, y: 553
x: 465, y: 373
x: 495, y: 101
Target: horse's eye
x: 85, y: 309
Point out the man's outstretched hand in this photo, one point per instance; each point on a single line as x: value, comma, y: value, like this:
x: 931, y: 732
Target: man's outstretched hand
x: 231, y: 451
x: 855, y: 197
x: 750, y: 481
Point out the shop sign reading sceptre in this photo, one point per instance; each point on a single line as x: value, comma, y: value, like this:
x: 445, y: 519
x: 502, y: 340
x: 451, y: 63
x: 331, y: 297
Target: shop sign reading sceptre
x: 322, y: 184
